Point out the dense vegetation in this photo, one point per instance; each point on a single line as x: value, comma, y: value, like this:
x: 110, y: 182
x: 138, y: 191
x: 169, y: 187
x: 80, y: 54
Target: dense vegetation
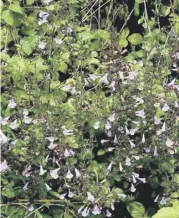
x: 90, y: 108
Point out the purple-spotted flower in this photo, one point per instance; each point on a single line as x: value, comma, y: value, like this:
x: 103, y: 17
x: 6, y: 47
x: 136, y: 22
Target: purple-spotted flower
x: 128, y: 161
x: 3, y: 138
x: 58, y: 41
x: 69, y: 175
x: 155, y: 151
x: 169, y: 142
x: 48, y: 187
x: 109, y: 167
x: 12, y: 104
x: 14, y: 125
x: 140, y: 113
x: 25, y: 187
x: 165, y: 107
x: 112, y: 118
x: 90, y: 197
x: 42, y: 171
x: 4, y: 120
x: 78, y: 175
x: 3, y: 166
x: 108, y: 213
x: 43, y: 18
x: 54, y: 173
x: 85, y: 212
x: 96, y: 125
x: 132, y: 189
x: 96, y: 210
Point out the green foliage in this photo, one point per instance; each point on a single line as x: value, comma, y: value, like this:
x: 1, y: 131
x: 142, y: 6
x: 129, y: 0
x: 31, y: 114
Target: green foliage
x: 165, y: 212
x: 136, y: 209
x: 135, y: 39
x: 84, y: 121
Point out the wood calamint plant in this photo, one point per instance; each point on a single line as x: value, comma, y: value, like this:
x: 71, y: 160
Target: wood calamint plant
x: 90, y: 115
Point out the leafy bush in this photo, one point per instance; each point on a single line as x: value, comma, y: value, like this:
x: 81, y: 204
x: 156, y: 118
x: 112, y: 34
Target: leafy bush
x: 85, y: 123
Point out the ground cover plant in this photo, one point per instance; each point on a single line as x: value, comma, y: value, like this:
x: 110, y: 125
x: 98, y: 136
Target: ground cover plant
x: 90, y: 109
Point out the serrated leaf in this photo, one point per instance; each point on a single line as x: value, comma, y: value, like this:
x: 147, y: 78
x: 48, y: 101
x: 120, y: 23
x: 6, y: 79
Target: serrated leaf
x: 165, y: 11
x: 8, y: 17
x: 166, y: 212
x: 62, y: 67
x: 29, y: 2
x: 16, y: 8
x: 136, y: 209
x: 117, y: 191
x: 11, y: 19
x: 125, y: 33
x: 28, y: 44
x: 123, y: 43
x: 135, y: 39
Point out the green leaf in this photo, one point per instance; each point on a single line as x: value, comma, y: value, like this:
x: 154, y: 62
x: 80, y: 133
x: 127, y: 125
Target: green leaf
x: 125, y: 33
x: 86, y: 36
x: 101, y: 152
x: 26, y: 47
x: 16, y: 8
x: 29, y: 2
x: 8, y: 17
x: 175, y: 194
x: 62, y: 67
x: 139, y: 1
x: 135, y: 39
x: 38, y: 214
x: 102, y: 34
x: 175, y: 179
x: 116, y: 192
x: 165, y: 11
x: 166, y: 212
x: 136, y: 209
x: 11, y: 19
x: 94, y: 54
x: 123, y: 42
x: 136, y: 9
x: 28, y: 44
x: 8, y: 192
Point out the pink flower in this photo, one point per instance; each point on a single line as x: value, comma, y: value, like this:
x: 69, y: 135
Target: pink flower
x: 132, y: 144
x: 96, y: 210
x: 12, y: 104
x: 132, y: 189
x: 25, y: 187
x: 140, y: 113
x: 96, y: 125
x: 27, y: 172
x: 69, y: 175
x: 143, y: 138
x: 48, y: 187
x: 108, y: 213
x: 169, y: 142
x: 54, y: 173
x: 3, y: 166
x: 14, y: 125
x: 85, y: 212
x: 110, y: 167
x: 3, y: 138
x: 77, y: 173
x: 112, y: 118
x: 90, y: 197
x: 165, y: 107
x: 42, y: 171
x: 4, y: 120
x: 155, y: 151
